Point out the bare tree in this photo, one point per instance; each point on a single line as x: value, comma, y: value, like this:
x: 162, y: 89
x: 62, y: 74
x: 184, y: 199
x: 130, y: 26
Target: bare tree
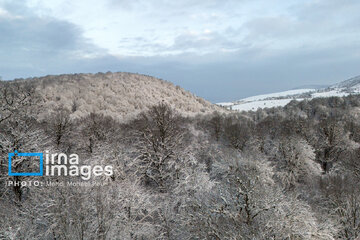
x: 216, y: 125
x: 329, y: 142
x: 19, y: 131
x: 95, y: 129
x: 294, y: 162
x: 238, y: 132
x: 159, y: 134
x: 60, y: 125
x: 13, y: 97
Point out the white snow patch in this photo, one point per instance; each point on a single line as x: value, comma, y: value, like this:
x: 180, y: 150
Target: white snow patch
x: 253, y: 106
x: 331, y: 93
x: 278, y: 94
x: 280, y: 99
x: 224, y: 104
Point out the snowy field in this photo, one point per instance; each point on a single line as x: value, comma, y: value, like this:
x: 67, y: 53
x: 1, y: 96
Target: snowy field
x: 280, y: 99
x: 253, y: 106
x: 278, y: 94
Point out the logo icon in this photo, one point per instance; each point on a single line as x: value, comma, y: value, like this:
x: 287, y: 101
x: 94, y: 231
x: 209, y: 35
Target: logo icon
x: 16, y: 153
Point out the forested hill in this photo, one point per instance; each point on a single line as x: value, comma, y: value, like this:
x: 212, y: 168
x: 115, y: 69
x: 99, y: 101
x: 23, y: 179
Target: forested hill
x: 280, y: 173
x: 119, y: 95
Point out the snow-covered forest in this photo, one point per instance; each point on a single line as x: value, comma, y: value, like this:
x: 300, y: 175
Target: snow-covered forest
x: 281, y: 173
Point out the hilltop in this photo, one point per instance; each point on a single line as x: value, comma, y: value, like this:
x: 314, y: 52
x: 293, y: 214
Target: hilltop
x: 120, y: 95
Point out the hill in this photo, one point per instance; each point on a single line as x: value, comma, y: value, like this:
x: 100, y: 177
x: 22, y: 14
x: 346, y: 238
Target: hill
x: 120, y: 95
x: 280, y: 99
x: 350, y: 83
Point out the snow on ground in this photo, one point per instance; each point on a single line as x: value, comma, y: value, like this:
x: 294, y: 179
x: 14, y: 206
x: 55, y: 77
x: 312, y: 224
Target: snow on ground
x: 331, y: 93
x: 253, y: 106
x: 224, y: 104
x: 280, y: 99
x: 278, y: 94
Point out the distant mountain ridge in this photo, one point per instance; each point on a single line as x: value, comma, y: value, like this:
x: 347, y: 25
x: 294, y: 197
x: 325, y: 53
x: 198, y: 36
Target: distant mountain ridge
x: 344, y: 88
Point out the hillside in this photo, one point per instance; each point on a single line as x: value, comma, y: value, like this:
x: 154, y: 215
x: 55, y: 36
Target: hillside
x: 350, y: 83
x: 280, y: 99
x: 273, y: 174
x: 120, y: 95
x: 161, y: 174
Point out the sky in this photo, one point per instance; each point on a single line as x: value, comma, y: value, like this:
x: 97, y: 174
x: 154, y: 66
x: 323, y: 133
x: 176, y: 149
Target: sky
x: 222, y: 50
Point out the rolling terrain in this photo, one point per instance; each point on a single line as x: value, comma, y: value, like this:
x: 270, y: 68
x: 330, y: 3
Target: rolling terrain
x: 120, y: 95
x: 280, y: 99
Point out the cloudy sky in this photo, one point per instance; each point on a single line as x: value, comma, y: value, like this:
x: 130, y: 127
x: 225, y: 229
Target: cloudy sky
x: 218, y: 49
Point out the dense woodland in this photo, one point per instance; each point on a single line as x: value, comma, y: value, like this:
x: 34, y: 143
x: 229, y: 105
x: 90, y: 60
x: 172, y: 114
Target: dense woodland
x: 280, y: 173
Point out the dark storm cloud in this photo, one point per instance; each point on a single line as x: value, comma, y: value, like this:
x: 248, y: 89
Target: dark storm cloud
x: 33, y: 45
x: 38, y: 35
